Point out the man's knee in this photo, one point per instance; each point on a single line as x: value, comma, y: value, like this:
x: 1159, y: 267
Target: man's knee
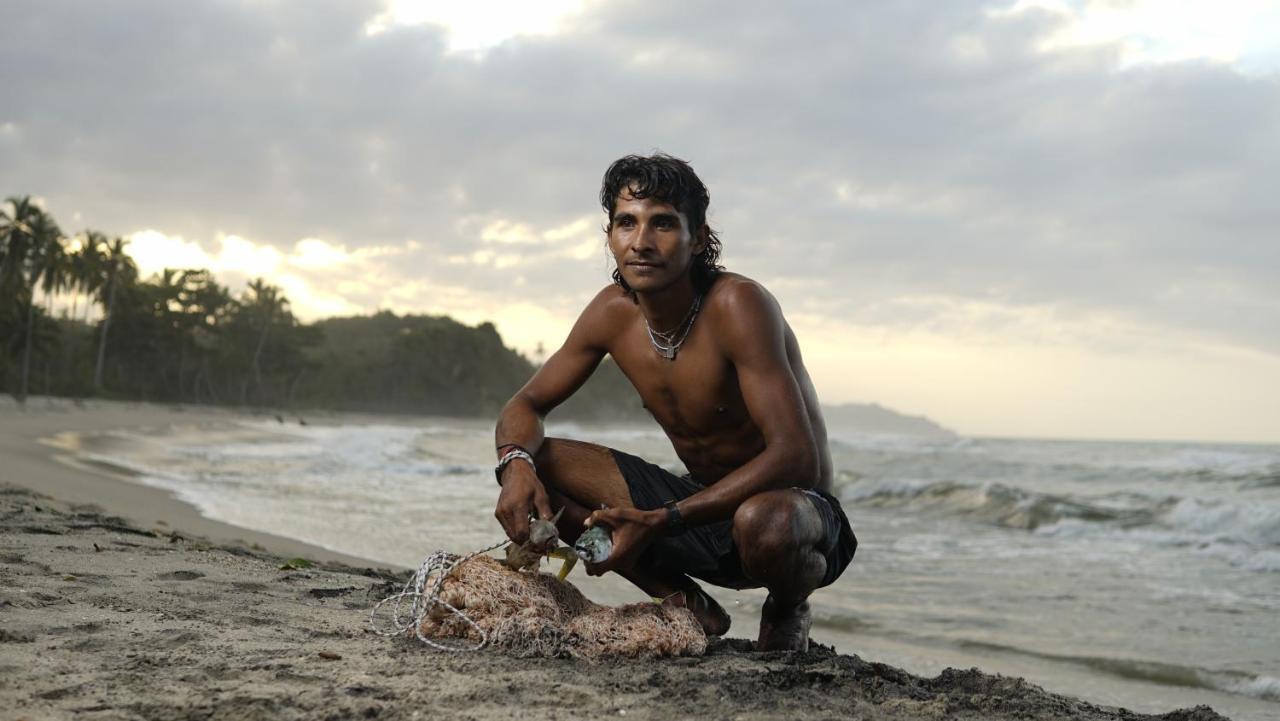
x: 547, y: 451
x: 776, y: 533
x: 773, y: 524
x: 555, y: 457
x: 584, y: 472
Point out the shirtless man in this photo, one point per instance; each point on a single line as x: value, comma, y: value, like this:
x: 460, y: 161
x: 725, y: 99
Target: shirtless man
x: 719, y: 368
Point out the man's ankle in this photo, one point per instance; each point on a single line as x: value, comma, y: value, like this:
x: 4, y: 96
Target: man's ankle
x: 784, y: 626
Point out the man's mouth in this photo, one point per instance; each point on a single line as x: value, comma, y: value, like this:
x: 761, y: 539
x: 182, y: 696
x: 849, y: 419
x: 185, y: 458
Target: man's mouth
x: 643, y: 264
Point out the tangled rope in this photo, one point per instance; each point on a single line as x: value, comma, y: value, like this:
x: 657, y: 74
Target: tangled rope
x: 421, y: 602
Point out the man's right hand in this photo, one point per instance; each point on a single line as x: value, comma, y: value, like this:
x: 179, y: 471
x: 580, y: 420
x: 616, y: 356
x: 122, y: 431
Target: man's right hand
x: 522, y: 494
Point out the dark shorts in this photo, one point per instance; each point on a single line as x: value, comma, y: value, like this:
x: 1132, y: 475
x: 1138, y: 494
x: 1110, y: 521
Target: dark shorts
x: 708, y: 552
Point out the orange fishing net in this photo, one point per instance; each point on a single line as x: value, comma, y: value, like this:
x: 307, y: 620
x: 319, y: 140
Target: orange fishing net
x: 535, y: 614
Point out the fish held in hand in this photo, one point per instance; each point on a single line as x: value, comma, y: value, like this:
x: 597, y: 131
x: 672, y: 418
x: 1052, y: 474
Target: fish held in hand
x: 543, y: 541
x: 594, y: 545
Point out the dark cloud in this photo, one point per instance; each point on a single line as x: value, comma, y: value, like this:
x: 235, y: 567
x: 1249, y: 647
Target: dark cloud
x: 873, y: 150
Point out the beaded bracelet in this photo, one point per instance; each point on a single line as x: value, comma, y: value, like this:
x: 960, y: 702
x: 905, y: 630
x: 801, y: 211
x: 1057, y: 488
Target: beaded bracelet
x: 510, y: 456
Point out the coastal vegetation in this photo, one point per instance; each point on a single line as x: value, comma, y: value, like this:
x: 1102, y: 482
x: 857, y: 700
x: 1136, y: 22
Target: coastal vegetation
x: 179, y: 336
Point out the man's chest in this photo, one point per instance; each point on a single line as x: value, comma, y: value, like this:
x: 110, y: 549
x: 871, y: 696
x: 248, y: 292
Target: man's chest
x: 694, y: 394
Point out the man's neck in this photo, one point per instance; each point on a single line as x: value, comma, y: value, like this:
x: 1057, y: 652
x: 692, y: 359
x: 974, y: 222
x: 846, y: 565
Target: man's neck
x: 666, y: 308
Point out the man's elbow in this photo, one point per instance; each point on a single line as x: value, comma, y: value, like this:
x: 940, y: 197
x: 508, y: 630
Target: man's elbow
x: 800, y: 462
x: 521, y: 405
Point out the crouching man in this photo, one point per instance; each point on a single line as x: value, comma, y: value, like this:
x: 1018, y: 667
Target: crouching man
x: 715, y: 362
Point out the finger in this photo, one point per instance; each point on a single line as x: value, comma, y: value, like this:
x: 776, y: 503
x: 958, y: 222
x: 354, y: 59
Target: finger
x: 502, y: 520
x: 543, y: 504
x: 516, y: 524
x: 611, y: 517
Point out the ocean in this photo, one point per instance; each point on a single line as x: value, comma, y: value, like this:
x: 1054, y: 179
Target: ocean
x: 1143, y: 575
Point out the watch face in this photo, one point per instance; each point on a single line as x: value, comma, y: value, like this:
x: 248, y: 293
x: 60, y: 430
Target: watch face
x: 675, y: 521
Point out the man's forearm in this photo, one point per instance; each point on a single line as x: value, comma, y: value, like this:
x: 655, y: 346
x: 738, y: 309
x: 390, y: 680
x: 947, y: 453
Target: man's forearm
x: 519, y: 424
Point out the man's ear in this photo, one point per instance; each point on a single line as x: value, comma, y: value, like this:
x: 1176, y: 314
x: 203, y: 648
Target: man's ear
x: 700, y: 243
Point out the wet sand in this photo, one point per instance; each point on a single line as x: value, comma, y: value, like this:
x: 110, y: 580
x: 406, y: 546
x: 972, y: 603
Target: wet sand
x: 106, y: 614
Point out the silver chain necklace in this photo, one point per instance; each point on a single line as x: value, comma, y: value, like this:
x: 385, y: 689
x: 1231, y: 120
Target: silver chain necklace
x: 667, y: 343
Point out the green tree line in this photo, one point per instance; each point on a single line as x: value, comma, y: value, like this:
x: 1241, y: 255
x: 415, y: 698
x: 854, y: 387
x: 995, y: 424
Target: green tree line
x: 180, y: 336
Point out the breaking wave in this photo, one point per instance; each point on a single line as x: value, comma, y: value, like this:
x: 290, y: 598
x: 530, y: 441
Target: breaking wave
x: 1247, y: 534
x: 998, y: 504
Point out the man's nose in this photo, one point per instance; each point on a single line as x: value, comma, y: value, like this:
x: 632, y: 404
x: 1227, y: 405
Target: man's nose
x: 643, y: 238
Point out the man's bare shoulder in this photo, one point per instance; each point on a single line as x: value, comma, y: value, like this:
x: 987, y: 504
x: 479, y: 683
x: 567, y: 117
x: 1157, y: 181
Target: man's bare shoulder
x: 611, y: 302
x: 604, y: 316
x: 737, y: 298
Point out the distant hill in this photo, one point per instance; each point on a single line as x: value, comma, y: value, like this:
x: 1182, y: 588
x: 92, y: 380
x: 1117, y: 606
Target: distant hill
x: 436, y: 365
x: 872, y: 418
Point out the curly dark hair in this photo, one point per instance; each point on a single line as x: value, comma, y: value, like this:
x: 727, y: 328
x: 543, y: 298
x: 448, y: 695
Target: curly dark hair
x: 670, y: 180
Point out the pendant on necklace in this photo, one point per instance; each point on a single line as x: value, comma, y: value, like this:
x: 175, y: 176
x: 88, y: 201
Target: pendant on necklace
x: 669, y: 353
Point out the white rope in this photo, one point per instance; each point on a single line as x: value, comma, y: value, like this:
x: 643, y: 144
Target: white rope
x: 434, y: 569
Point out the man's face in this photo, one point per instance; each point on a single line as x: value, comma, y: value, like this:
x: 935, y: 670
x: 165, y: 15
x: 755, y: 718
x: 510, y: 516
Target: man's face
x: 651, y: 242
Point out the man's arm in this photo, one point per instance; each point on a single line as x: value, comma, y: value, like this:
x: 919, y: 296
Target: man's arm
x: 520, y: 422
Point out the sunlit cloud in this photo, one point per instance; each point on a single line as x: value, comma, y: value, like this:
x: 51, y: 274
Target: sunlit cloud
x: 1160, y: 31
x: 316, y: 253
x: 478, y: 25
x: 154, y: 251
x: 319, y: 278
x: 507, y: 241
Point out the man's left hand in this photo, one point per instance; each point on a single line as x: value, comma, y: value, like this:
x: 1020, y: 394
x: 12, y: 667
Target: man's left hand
x: 633, y: 531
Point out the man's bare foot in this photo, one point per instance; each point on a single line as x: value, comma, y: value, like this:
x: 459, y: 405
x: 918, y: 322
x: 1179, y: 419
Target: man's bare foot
x: 784, y: 628
x: 713, y: 619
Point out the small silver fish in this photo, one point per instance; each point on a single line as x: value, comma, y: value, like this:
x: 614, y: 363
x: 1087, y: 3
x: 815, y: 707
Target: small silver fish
x: 543, y: 537
x: 594, y: 545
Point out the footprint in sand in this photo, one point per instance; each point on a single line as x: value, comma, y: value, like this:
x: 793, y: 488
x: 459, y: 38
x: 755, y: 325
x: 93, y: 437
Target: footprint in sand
x: 180, y: 576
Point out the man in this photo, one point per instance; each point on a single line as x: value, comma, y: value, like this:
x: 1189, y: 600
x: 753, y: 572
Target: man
x: 718, y: 367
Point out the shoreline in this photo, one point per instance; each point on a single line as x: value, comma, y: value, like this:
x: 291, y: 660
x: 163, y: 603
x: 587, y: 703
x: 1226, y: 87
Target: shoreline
x: 33, y: 462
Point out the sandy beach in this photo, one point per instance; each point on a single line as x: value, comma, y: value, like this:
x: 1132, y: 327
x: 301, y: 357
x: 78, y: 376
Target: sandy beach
x: 118, y: 601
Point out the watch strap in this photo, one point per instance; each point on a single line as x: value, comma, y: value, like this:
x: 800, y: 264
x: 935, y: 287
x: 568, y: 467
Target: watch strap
x: 675, y: 521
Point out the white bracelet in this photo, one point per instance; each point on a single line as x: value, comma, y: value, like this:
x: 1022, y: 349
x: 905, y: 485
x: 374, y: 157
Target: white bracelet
x: 510, y: 456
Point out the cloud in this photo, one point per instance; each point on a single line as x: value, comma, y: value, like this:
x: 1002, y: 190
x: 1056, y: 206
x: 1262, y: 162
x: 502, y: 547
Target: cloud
x: 479, y: 25
x: 1067, y: 172
x: 1157, y: 31
x: 320, y: 278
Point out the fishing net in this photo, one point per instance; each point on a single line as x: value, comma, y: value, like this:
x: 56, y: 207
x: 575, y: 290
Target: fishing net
x: 477, y: 600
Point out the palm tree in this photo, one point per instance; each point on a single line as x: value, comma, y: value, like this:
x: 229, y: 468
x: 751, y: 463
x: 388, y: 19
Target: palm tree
x: 206, y: 306
x: 265, y: 302
x: 17, y: 223
x: 59, y: 274
x: 45, y: 268
x: 119, y: 268
x: 79, y: 262
x: 92, y: 266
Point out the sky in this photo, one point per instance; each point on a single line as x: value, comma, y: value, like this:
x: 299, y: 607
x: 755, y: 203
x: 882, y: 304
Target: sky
x: 1036, y: 218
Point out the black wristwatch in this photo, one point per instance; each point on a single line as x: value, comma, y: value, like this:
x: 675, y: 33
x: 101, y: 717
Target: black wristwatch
x: 675, y: 521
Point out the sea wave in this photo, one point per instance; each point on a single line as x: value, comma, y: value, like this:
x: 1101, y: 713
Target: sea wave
x: 1246, y: 533
x: 1090, y: 462
x: 997, y: 503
